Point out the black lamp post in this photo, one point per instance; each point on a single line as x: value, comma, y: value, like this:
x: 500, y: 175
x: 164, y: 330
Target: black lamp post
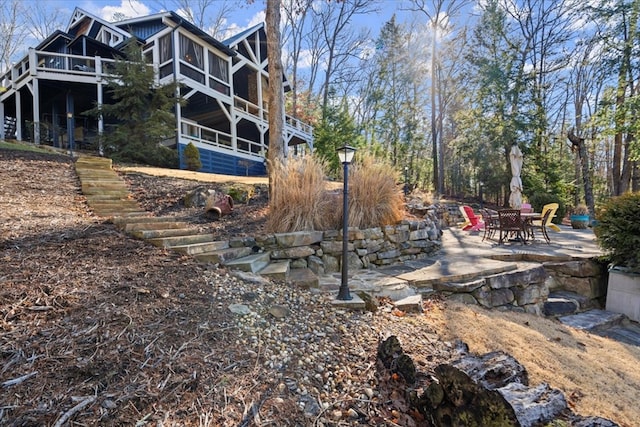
x: 345, y: 154
x: 406, y: 181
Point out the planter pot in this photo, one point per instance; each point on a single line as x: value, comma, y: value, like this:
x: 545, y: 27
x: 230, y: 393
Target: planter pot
x: 623, y: 293
x: 579, y: 221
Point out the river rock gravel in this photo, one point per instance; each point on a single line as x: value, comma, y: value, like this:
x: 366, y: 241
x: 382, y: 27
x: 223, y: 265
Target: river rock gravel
x: 98, y: 328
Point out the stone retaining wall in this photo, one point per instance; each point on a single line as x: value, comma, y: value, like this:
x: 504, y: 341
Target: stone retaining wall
x: 321, y: 251
x: 584, y: 277
x: 520, y: 290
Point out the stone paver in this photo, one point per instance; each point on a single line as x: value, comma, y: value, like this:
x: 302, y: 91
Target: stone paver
x: 464, y: 257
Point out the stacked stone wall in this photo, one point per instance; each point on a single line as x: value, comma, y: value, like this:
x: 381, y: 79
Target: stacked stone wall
x: 321, y: 251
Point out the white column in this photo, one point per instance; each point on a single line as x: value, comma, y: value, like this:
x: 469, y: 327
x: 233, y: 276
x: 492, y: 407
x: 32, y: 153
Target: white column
x: 36, y: 111
x: 1, y: 120
x: 18, y: 116
x: 100, y: 120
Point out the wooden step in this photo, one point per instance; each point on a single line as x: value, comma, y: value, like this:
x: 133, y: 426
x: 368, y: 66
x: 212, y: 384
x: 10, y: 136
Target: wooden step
x: 251, y: 263
x: 165, y: 225
x: 137, y: 220
x: 169, y: 242
x: 155, y: 234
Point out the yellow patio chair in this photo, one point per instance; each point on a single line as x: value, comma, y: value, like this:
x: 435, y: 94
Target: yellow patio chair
x: 553, y: 207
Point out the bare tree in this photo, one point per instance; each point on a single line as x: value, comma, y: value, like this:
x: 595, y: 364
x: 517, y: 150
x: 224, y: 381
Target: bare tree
x: 438, y: 13
x: 42, y: 20
x: 12, y: 31
x: 335, y: 19
x: 210, y: 15
x: 295, y: 18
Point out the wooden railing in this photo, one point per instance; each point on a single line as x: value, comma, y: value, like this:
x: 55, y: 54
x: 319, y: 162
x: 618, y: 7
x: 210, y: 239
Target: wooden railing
x: 190, y: 131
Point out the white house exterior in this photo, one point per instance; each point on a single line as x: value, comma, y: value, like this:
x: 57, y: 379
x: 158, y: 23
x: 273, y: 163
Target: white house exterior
x: 225, y: 84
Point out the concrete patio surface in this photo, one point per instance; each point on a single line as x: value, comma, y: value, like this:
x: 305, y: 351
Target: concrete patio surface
x: 465, y: 256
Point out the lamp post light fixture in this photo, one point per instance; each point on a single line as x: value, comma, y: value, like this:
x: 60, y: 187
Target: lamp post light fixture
x: 406, y: 181
x: 345, y: 154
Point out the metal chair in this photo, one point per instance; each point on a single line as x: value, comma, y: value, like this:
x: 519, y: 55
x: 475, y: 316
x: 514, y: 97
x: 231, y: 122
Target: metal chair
x: 491, y: 223
x: 511, y: 225
x: 542, y: 226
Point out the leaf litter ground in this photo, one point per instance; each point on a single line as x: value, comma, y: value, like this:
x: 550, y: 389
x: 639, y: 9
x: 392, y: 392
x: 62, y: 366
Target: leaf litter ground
x: 97, y: 328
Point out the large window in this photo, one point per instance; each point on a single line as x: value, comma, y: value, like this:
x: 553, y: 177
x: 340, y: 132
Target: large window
x: 165, y: 48
x: 191, y: 52
x: 218, y: 67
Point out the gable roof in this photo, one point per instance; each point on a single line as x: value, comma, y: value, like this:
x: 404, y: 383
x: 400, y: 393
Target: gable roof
x: 235, y: 39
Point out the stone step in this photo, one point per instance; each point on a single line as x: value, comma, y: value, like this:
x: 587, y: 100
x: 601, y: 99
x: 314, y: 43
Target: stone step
x: 629, y: 333
x: 277, y: 270
x: 251, y: 263
x: 155, y: 234
x: 304, y: 278
x: 169, y: 242
x: 200, y: 248
x: 593, y: 320
x: 560, y: 303
x: 164, y: 225
x: 222, y: 256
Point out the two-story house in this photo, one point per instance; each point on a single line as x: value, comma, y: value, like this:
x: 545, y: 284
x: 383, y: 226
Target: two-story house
x: 225, y: 85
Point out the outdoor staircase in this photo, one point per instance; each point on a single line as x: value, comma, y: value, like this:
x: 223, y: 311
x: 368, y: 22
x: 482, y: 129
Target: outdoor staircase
x: 108, y: 196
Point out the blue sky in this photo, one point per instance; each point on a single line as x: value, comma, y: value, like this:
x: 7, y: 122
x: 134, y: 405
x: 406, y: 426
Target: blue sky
x: 246, y: 14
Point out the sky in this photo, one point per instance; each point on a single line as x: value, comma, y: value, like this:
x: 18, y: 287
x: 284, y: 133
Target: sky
x: 246, y: 15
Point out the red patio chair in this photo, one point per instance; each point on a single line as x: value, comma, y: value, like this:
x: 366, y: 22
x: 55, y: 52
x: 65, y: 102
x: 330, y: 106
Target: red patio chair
x: 475, y: 222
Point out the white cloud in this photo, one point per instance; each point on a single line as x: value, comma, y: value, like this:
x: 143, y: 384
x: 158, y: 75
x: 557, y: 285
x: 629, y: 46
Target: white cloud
x: 234, y: 28
x: 127, y: 8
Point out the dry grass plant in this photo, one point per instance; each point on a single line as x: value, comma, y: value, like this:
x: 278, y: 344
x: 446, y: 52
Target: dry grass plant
x: 598, y: 376
x: 375, y: 198
x: 299, y: 200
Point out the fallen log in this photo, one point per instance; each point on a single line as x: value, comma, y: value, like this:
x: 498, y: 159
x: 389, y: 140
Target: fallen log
x: 479, y: 391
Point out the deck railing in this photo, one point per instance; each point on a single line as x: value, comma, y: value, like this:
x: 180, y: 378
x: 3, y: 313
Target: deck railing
x: 191, y: 131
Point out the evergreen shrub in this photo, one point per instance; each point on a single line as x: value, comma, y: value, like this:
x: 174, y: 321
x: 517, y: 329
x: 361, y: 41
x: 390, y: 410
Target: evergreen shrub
x: 618, y: 230
x: 192, y: 157
x: 538, y: 200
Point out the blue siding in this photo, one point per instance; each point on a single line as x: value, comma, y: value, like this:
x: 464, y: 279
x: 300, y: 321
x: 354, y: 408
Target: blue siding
x: 222, y: 163
x: 146, y: 29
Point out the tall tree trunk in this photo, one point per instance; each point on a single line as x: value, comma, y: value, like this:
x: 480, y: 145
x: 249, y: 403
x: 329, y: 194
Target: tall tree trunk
x: 276, y: 153
x: 581, y: 147
x: 434, y: 129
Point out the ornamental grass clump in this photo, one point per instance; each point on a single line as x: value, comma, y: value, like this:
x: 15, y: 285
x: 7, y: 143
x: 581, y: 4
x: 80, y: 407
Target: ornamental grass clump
x: 299, y: 200
x: 618, y: 230
x: 375, y: 198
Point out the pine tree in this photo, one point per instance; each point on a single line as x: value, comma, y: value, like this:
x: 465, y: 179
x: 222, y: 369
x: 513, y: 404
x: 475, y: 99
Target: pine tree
x: 141, y: 112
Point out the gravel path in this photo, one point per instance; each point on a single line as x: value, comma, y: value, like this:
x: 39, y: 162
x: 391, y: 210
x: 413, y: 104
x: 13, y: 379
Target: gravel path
x: 103, y: 329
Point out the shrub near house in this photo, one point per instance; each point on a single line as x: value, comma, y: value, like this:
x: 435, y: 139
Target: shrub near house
x: 618, y: 233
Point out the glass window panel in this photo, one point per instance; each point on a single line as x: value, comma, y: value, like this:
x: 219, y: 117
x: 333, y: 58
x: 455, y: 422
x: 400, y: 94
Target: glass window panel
x: 191, y: 52
x: 165, y: 48
x: 218, y: 67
